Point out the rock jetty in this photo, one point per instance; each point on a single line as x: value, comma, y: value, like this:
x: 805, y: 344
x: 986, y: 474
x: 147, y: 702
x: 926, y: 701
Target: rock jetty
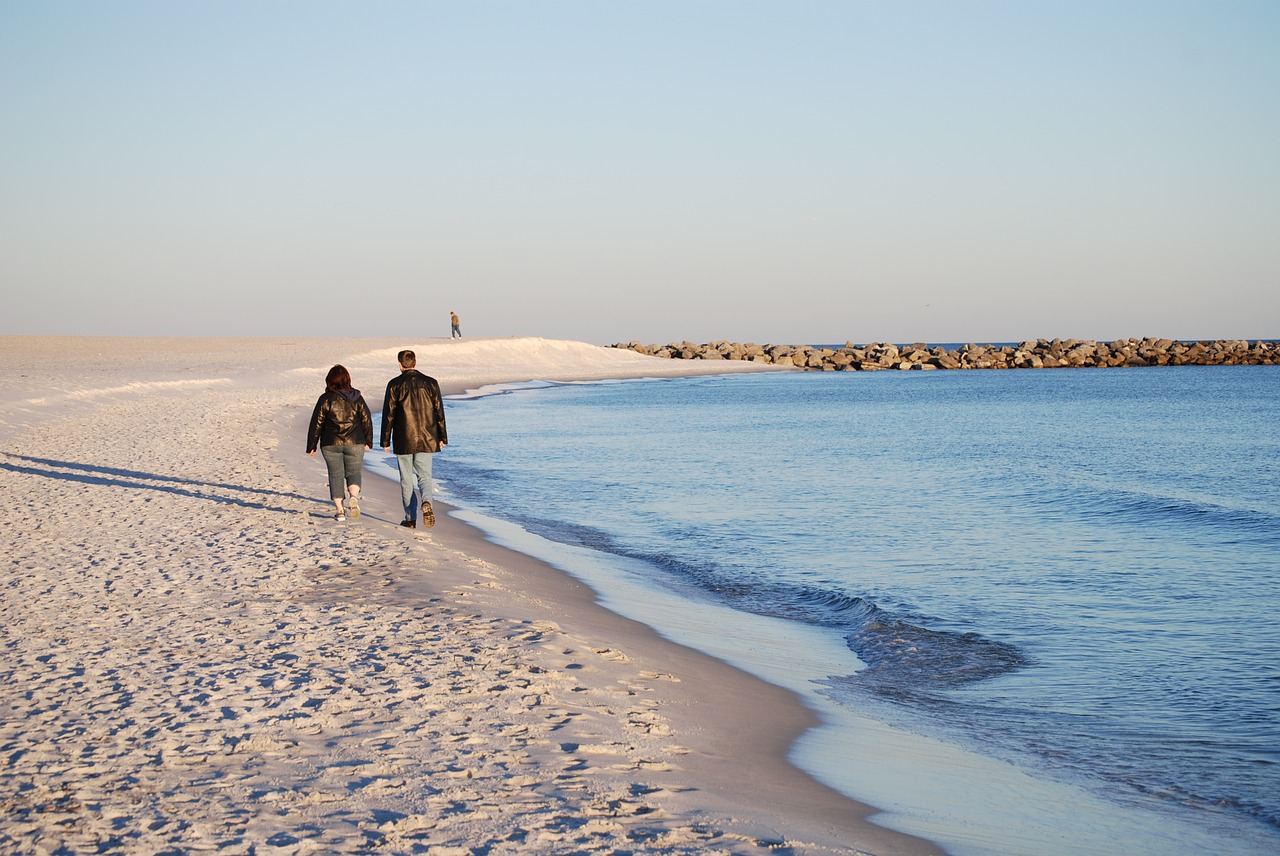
x: 1042, y: 353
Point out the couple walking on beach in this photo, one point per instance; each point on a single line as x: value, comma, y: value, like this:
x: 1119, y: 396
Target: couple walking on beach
x: 412, y: 422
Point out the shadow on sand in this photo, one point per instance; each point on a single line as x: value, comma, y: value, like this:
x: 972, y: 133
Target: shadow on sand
x: 115, y: 477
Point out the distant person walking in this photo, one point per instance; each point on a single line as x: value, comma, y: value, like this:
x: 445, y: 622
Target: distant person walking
x: 413, y: 422
x: 453, y: 323
x: 342, y: 429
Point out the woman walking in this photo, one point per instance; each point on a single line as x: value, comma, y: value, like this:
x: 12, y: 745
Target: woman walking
x: 342, y: 429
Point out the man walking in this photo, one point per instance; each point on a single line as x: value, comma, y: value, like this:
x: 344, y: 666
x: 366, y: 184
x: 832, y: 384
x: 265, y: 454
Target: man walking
x: 413, y: 421
x: 453, y: 324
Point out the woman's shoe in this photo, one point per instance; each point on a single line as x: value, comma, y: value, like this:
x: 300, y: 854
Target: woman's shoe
x: 340, y: 516
x: 353, y: 507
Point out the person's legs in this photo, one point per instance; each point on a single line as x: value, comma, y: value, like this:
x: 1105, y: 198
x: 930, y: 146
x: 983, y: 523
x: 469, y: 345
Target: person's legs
x: 405, y: 462
x: 353, y: 460
x: 333, y: 461
x: 422, y: 469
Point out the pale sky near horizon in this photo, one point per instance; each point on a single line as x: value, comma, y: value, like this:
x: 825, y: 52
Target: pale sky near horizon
x: 605, y: 171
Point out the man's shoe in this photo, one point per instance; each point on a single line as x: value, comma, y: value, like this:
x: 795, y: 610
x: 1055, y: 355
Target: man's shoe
x: 409, y: 523
x: 428, y: 516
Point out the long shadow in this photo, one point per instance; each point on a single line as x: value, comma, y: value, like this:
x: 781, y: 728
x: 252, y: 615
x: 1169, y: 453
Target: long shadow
x: 113, y: 477
x: 135, y: 474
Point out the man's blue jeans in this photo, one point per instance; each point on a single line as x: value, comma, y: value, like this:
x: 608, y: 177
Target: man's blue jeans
x: 414, y: 468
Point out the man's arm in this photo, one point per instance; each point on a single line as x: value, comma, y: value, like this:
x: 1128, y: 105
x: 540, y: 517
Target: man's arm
x: 437, y: 403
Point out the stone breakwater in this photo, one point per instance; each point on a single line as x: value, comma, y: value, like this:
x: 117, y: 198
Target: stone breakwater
x: 1042, y: 353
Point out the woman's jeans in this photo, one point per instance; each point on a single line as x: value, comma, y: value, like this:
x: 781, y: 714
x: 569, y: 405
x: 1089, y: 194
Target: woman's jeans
x: 344, y: 466
x: 415, y: 467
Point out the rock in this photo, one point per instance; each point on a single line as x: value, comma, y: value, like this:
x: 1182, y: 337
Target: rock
x: 1041, y: 353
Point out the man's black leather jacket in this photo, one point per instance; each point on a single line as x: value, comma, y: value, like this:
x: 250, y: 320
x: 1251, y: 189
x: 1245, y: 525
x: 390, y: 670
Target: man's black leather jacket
x: 413, y: 414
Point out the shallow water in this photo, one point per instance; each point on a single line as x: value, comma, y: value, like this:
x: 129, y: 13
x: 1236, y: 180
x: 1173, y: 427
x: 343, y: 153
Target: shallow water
x: 1070, y: 575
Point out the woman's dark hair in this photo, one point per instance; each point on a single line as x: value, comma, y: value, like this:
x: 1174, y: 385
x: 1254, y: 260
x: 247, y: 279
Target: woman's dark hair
x: 338, y: 379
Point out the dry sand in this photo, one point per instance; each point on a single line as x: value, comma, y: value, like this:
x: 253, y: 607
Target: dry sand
x: 197, y: 657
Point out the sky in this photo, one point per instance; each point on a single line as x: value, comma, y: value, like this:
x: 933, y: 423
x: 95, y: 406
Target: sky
x: 607, y: 170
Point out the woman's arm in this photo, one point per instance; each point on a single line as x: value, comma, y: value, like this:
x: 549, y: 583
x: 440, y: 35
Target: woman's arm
x: 317, y: 422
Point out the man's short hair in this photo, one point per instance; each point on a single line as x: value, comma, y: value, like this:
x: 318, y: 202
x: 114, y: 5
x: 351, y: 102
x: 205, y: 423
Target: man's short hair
x: 407, y: 359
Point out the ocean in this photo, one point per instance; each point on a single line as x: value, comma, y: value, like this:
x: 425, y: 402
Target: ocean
x: 1035, y: 610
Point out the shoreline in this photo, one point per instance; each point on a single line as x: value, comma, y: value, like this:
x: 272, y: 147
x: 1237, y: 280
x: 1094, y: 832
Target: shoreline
x: 198, y: 656
x: 741, y: 774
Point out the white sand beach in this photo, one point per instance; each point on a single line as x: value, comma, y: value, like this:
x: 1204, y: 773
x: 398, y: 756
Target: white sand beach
x: 196, y: 657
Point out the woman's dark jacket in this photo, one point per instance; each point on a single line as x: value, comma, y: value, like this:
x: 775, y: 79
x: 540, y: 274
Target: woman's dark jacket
x: 413, y: 414
x: 340, y: 419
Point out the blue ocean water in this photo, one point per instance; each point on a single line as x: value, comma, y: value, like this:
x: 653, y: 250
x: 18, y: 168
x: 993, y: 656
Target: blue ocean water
x: 1075, y: 573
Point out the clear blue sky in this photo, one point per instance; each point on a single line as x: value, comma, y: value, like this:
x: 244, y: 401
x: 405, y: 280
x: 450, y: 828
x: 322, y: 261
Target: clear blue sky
x: 601, y: 170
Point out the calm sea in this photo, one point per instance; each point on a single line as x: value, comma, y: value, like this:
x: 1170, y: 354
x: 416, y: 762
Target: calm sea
x: 1037, y: 610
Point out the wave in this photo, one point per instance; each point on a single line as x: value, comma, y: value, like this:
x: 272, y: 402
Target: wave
x: 1150, y: 508
x: 500, y: 389
x: 905, y: 659
x: 902, y: 658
